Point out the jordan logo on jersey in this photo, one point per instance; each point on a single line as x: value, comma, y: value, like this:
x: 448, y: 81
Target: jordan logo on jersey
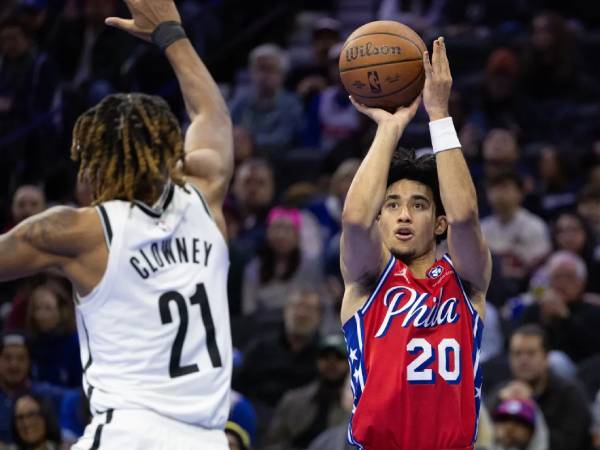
x: 406, y: 302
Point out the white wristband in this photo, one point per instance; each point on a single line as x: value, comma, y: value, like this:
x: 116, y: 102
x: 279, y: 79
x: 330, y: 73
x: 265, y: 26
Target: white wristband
x: 443, y: 135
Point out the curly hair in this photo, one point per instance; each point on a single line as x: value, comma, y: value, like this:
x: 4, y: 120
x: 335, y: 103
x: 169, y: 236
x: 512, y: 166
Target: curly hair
x: 406, y: 165
x: 127, y: 147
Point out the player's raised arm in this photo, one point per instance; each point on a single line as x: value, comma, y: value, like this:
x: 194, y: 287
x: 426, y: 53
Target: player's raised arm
x: 362, y: 253
x: 467, y: 247
x: 209, y: 139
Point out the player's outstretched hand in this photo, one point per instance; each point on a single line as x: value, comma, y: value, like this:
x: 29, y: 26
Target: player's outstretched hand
x: 401, y: 117
x: 438, y: 81
x: 145, y: 17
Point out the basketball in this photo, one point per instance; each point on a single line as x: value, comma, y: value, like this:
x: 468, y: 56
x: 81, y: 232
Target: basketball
x: 381, y: 64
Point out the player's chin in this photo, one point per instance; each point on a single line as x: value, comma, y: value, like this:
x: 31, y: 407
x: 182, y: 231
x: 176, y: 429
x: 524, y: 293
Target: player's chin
x: 403, y: 252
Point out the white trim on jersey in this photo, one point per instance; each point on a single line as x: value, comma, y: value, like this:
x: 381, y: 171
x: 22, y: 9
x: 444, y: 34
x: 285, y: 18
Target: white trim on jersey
x: 462, y: 288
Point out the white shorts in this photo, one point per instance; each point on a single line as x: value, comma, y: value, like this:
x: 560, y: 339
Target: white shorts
x: 138, y: 429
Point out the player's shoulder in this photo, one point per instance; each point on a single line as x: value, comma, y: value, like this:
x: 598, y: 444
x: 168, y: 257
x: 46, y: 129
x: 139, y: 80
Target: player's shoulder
x: 62, y: 219
x: 63, y: 229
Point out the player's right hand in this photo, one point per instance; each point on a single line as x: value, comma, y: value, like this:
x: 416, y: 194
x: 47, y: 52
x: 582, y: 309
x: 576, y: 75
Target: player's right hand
x: 401, y: 117
x: 145, y: 17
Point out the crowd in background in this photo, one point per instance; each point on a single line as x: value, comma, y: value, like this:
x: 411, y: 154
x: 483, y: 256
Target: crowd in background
x: 526, y: 104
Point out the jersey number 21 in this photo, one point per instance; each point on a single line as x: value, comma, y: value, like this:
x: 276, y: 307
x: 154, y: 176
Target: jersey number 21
x: 199, y: 298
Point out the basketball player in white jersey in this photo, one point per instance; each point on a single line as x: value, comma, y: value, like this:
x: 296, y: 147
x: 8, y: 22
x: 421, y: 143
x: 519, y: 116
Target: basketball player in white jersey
x: 149, y: 262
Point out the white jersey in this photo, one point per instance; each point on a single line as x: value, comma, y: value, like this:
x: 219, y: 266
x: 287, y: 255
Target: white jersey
x: 155, y: 331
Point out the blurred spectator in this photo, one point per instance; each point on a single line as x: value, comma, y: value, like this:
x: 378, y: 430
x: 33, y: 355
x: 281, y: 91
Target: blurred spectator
x: 501, y: 153
x: 38, y: 17
x: 14, y: 368
x: 573, y: 325
x: 279, y: 265
x: 243, y: 145
x: 253, y: 190
x: 552, y: 68
x: 271, y: 114
x: 492, y: 344
x: 328, y: 210
x: 596, y: 423
x: 54, y: 343
x: 485, y: 430
x: 74, y: 415
x: 588, y: 206
x: 277, y: 362
x: 570, y: 232
x: 28, y: 200
x: 243, y: 414
x: 34, y: 425
x: 517, y: 426
x: 90, y: 54
x: 330, y: 116
x: 564, y: 408
x: 15, y: 364
x: 237, y: 437
x: 517, y: 236
x: 29, y: 87
x: 336, y: 438
x: 241, y: 425
x: 555, y: 190
x: 304, y: 413
x: 422, y: 16
x: 309, y: 74
x: 591, y: 164
x: 500, y: 102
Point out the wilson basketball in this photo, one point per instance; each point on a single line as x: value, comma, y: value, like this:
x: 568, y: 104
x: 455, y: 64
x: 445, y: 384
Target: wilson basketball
x: 381, y: 64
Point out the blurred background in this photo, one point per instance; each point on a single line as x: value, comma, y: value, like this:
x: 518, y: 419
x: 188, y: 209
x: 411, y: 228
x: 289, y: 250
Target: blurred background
x: 526, y: 104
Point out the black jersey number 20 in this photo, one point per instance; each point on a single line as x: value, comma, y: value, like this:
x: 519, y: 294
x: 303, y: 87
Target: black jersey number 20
x: 199, y: 298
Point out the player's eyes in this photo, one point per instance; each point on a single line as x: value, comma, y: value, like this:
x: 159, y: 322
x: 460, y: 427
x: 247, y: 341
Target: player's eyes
x: 392, y: 205
x: 419, y: 205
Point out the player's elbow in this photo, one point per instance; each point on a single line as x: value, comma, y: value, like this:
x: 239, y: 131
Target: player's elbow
x: 466, y: 214
x: 214, y: 114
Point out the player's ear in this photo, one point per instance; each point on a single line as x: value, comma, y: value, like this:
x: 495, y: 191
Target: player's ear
x: 441, y: 225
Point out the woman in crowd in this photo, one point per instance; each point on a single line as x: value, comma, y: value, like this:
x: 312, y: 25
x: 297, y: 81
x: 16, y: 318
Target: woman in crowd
x: 279, y: 264
x: 34, y: 426
x: 570, y: 232
x: 50, y: 325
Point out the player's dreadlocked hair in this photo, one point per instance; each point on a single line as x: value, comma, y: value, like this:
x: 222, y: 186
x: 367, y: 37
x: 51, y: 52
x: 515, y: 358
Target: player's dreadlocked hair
x: 127, y: 147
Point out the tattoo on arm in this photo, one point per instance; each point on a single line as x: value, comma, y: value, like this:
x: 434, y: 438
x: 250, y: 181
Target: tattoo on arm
x: 47, y: 232
x: 8, y: 244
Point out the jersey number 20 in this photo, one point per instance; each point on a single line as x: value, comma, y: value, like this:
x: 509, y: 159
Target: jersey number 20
x: 199, y: 298
x: 448, y: 355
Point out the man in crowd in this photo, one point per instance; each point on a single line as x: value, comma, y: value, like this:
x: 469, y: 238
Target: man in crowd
x: 276, y: 363
x: 572, y: 325
x: 271, y: 114
x: 564, y: 408
x: 305, y: 412
x: 254, y: 190
x: 517, y: 236
x: 27, y: 201
x: 518, y: 427
x: 15, y: 365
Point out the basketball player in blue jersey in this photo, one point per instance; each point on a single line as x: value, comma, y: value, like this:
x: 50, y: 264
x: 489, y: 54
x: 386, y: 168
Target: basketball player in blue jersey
x: 149, y: 262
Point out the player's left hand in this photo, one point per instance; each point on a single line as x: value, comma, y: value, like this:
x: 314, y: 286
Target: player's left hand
x: 438, y: 81
x: 145, y: 17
